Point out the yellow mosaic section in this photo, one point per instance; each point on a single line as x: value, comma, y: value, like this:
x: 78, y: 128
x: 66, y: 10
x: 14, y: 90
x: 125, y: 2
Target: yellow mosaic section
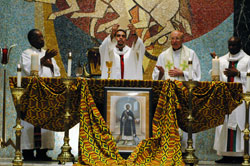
x: 42, y: 12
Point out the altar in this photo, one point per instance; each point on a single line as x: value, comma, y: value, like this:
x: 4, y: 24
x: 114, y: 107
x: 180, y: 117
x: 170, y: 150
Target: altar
x: 211, y: 101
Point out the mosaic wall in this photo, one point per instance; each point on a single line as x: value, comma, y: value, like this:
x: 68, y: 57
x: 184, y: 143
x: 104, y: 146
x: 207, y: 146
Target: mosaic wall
x: 75, y: 26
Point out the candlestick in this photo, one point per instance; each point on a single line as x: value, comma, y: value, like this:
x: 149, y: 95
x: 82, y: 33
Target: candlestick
x: 189, y: 156
x: 19, y: 80
x: 190, y: 70
x: 69, y: 64
x: 248, y: 82
x: 246, y: 131
x: 66, y: 154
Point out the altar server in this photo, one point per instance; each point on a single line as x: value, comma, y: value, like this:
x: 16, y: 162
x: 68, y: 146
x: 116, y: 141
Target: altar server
x: 229, y: 141
x: 36, y: 138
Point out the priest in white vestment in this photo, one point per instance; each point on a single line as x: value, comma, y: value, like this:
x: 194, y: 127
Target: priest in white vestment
x: 126, y: 61
x: 173, y: 64
x: 229, y: 141
x: 47, y: 68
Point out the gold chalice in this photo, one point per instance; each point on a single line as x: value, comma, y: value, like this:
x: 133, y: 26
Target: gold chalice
x: 109, y: 65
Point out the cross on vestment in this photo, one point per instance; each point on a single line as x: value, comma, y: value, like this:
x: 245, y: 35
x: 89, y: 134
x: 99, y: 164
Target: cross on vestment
x: 184, y: 65
x: 169, y: 65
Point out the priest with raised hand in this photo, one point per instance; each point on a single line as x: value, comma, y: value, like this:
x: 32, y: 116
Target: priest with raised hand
x: 229, y: 141
x: 126, y: 61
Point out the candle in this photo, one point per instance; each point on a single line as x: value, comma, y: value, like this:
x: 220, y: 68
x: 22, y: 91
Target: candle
x: 190, y: 70
x: 215, y: 66
x: 4, y: 55
x: 34, y: 62
x: 69, y: 64
x: 248, y: 82
x: 19, y: 76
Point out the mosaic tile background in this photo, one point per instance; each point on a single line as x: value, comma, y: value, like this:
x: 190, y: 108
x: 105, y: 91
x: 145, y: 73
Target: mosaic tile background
x: 17, y: 17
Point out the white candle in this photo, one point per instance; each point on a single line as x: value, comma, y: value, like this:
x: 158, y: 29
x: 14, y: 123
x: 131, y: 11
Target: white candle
x: 190, y: 70
x: 215, y: 66
x: 19, y: 79
x: 69, y: 64
x: 248, y: 82
x: 34, y: 62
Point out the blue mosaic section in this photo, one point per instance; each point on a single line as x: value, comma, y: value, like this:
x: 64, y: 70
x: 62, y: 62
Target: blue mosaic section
x: 215, y: 40
x: 71, y: 39
x: 17, y: 18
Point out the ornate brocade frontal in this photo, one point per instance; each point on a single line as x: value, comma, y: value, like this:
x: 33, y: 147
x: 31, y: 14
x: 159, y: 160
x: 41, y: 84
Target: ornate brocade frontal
x: 43, y: 105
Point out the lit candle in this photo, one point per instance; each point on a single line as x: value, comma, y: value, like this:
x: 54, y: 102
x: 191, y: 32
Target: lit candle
x: 190, y: 71
x: 248, y: 82
x: 19, y: 79
x: 69, y: 64
x: 34, y: 62
x: 215, y: 66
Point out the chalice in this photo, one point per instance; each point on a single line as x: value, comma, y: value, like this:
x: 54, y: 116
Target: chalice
x: 109, y: 65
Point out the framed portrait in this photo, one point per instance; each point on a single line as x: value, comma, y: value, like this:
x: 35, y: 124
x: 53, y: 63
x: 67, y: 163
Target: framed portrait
x: 94, y: 60
x: 128, y: 115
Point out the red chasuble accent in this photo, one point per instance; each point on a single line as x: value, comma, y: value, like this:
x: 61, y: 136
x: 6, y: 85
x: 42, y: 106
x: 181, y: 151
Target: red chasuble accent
x: 231, y: 142
x: 232, y: 65
x: 122, y: 65
x: 232, y: 78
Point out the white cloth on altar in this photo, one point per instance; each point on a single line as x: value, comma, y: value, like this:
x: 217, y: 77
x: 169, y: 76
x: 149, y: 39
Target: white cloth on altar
x: 47, y: 136
x: 236, y: 120
x: 178, y: 57
x: 133, y: 58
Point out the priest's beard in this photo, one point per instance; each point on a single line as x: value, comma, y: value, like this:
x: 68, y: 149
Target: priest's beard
x: 120, y: 46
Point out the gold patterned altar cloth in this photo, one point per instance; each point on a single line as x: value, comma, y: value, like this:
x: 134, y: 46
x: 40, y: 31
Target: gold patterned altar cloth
x: 43, y: 105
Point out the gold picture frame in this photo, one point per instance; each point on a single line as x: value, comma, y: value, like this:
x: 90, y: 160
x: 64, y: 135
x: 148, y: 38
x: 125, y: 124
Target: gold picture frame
x: 128, y: 115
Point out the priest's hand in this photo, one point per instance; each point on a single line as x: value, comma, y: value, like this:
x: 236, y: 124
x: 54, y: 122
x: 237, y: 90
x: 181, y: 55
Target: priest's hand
x: 114, y: 30
x: 161, y: 70
x: 46, y: 60
x: 213, y: 54
x: 232, y: 72
x: 133, y: 34
x: 49, y: 54
x: 175, y: 72
x: 47, y: 63
x: 132, y: 29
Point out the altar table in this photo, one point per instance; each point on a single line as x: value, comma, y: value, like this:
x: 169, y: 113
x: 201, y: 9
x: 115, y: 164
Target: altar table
x: 44, y: 106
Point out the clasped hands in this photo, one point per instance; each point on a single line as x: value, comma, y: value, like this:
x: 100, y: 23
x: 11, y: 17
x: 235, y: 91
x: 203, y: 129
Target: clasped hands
x: 172, y: 72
